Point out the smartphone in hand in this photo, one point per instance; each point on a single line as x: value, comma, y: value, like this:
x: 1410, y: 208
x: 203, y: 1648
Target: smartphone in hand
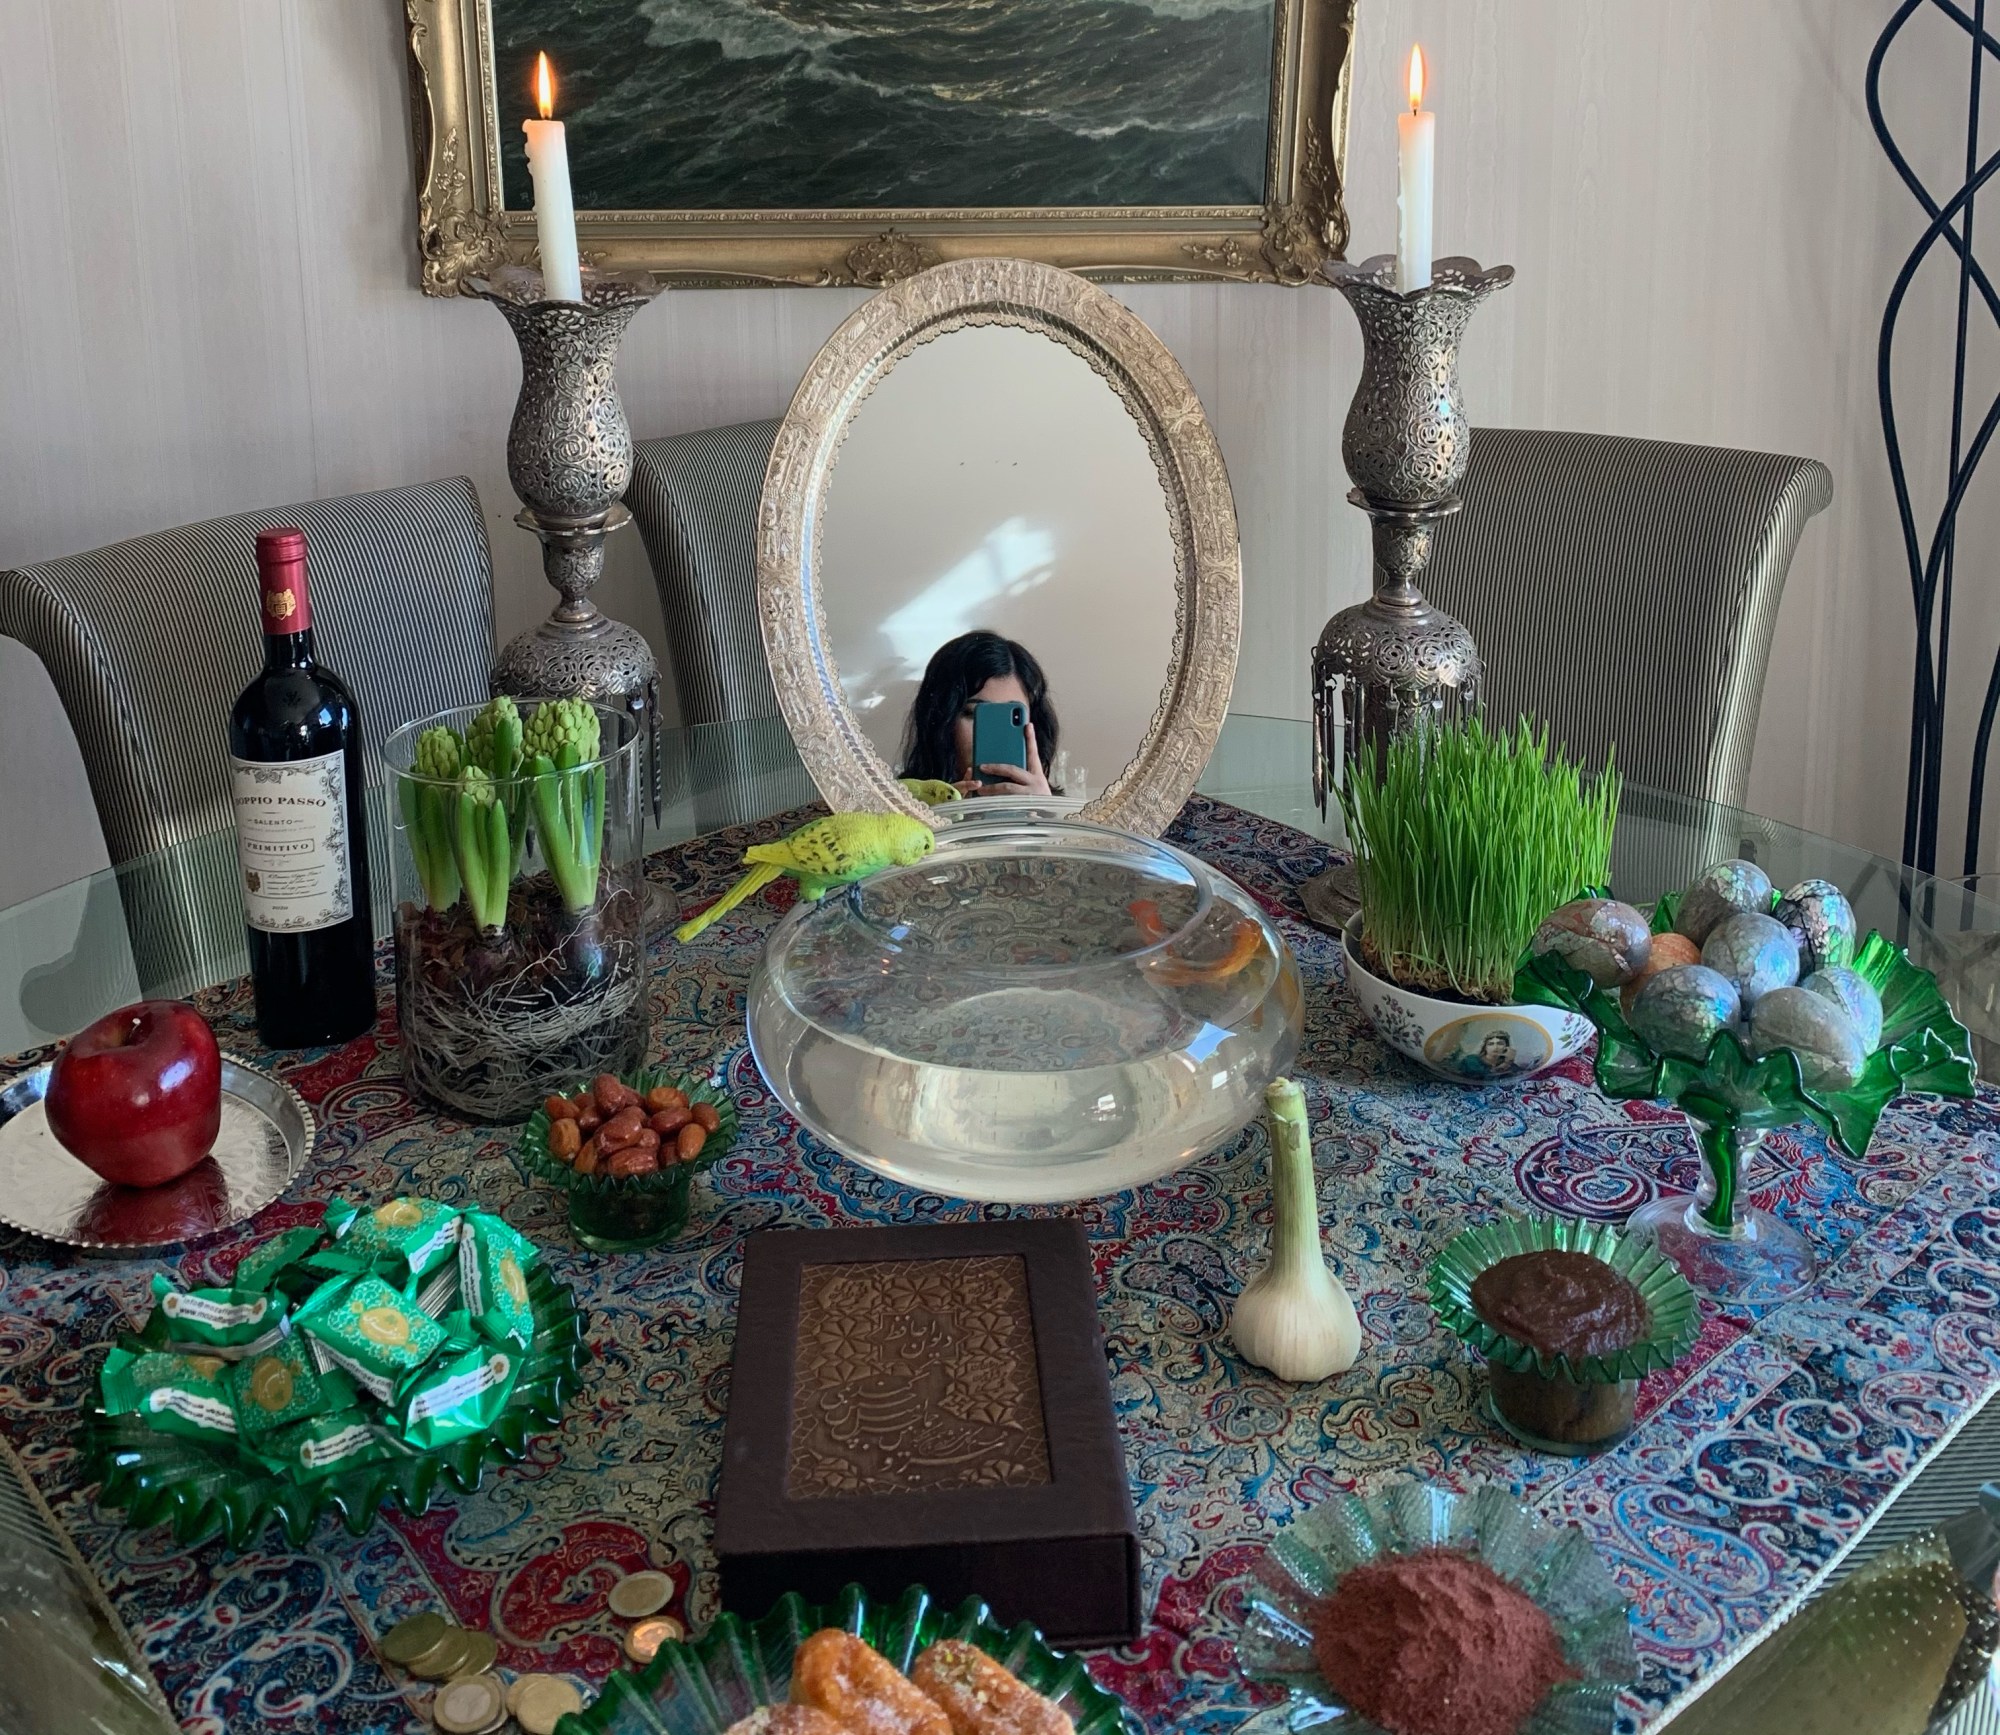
x: 999, y: 734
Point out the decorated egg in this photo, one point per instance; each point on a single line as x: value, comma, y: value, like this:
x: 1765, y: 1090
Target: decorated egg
x: 1720, y: 891
x: 1606, y: 940
x: 1666, y: 951
x: 1816, y: 1029
x: 1679, y: 1009
x: 1819, y: 913
x: 1757, y: 953
x: 1853, y: 993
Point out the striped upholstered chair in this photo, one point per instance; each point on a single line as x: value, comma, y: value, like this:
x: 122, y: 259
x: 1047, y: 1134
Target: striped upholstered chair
x: 694, y: 497
x: 148, y: 643
x: 1625, y: 591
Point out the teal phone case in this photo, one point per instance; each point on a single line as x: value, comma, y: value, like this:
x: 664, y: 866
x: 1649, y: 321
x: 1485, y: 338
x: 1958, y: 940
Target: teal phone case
x: 999, y: 734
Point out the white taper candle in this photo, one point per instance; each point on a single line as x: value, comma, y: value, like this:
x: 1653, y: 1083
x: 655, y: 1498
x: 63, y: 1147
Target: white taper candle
x: 555, y: 209
x: 1416, y: 135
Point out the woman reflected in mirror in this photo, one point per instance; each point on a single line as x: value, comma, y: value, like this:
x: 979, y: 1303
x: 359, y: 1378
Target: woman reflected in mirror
x: 973, y: 669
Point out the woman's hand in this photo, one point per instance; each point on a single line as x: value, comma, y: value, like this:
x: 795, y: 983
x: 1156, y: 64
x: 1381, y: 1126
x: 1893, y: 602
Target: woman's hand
x: 1012, y: 779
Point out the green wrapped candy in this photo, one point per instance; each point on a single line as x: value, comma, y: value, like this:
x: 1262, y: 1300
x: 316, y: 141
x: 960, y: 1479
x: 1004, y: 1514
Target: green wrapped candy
x: 372, y: 1332
x: 492, y: 1273
x: 345, y: 1440
x: 284, y: 1385
x: 258, y: 1272
x: 178, y: 1394
x: 400, y: 1239
x: 220, y: 1320
x: 460, y: 1393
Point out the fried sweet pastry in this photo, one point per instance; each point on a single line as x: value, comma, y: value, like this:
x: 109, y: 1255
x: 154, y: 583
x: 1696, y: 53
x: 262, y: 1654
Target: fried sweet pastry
x: 983, y: 1698
x: 787, y: 1720
x: 859, y: 1688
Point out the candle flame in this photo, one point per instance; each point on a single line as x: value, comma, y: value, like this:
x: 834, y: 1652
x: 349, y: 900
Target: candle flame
x: 545, y: 87
x: 1417, y: 72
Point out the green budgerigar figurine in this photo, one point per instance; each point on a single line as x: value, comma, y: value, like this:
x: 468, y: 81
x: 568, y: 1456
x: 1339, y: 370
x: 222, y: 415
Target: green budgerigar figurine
x: 829, y: 852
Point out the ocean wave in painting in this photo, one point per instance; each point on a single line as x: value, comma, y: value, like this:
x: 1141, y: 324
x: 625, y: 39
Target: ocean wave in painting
x: 791, y: 104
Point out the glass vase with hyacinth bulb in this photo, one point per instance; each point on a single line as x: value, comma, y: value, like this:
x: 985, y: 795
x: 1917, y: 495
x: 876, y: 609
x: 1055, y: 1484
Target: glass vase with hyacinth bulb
x: 521, y: 921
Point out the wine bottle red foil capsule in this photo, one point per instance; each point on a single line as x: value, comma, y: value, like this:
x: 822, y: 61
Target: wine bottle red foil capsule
x: 281, y: 581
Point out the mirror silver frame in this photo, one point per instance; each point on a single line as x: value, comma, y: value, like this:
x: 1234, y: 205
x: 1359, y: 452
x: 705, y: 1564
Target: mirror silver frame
x: 1201, y: 512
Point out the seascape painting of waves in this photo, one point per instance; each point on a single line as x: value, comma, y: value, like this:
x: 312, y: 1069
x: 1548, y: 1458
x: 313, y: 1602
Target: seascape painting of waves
x: 811, y: 104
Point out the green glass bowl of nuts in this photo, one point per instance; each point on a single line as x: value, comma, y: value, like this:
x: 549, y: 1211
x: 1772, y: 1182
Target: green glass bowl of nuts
x: 624, y: 1152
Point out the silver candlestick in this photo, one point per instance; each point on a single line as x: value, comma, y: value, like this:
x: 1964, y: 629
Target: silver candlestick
x: 1394, y: 661
x: 569, y: 456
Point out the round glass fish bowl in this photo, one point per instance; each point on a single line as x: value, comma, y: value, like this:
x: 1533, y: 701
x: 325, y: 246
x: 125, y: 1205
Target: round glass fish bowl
x: 1035, y: 1012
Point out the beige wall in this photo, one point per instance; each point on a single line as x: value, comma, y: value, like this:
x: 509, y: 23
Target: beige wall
x: 207, y: 304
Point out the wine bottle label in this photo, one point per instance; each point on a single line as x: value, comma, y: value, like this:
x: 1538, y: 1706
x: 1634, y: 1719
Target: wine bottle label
x: 291, y: 842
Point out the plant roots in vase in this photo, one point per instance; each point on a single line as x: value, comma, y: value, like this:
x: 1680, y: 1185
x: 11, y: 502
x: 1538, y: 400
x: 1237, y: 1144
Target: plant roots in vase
x: 492, y: 1022
x: 1729, y: 1250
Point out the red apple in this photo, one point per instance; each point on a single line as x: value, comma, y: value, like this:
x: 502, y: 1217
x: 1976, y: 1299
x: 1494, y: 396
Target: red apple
x: 138, y: 1094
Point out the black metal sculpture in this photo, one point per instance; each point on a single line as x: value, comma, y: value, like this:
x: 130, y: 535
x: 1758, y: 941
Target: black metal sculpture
x: 1934, y: 568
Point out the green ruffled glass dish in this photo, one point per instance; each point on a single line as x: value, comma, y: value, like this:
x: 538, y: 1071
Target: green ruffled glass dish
x: 205, y: 1489
x: 1571, y: 1406
x: 1556, y: 1568
x: 626, y: 1213
x: 1734, y: 1098
x: 701, y: 1686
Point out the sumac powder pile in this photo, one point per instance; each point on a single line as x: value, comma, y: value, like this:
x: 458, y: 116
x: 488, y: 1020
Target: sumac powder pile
x: 1436, y: 1643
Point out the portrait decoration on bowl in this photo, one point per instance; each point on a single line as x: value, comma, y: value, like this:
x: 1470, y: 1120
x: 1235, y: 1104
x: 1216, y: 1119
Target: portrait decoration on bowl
x: 520, y: 925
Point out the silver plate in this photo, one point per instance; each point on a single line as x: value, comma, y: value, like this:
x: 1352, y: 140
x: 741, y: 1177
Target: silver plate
x: 267, y: 1134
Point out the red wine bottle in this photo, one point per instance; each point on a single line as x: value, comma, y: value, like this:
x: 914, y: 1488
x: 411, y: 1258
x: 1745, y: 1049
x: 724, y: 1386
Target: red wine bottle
x: 299, y: 790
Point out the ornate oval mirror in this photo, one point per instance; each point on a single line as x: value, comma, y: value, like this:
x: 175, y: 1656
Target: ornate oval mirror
x: 999, y: 448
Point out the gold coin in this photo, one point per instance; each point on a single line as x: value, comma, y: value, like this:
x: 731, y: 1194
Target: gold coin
x: 469, y: 1705
x: 643, y: 1642
x: 480, y: 1650
x: 409, y: 1639
x: 537, y: 1701
x: 445, y: 1658
x: 643, y: 1593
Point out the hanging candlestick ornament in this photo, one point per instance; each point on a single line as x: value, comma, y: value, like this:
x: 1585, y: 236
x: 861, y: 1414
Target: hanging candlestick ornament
x: 1394, y: 662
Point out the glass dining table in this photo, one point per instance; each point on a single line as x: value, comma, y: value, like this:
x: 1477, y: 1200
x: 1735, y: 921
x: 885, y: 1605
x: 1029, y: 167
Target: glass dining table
x: 74, y: 952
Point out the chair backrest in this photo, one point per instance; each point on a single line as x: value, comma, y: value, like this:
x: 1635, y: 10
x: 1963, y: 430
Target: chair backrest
x: 1625, y: 591
x: 695, y: 499
x: 148, y: 643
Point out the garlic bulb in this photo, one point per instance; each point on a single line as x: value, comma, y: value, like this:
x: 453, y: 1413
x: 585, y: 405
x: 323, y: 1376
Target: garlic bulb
x: 1294, y: 1319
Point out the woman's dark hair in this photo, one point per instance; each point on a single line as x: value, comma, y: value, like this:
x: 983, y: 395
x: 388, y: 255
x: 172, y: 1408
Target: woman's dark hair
x: 958, y: 670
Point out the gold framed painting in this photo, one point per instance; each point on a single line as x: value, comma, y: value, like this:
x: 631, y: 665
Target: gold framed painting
x: 855, y: 142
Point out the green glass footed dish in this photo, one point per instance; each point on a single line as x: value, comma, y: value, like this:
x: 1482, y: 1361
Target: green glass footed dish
x: 628, y: 1213
x: 203, y: 1489
x: 1733, y: 1098
x: 1556, y: 1568
x: 1571, y: 1406
x: 702, y: 1686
